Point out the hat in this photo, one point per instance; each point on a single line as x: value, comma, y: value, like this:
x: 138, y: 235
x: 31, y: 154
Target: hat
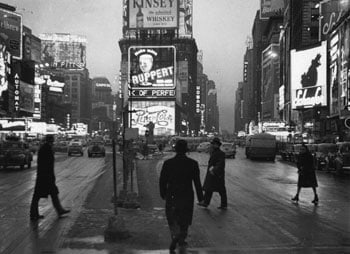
x: 216, y: 141
x: 181, y: 146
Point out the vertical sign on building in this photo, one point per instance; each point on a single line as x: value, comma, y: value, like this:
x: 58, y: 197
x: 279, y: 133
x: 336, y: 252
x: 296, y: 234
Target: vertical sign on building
x: 17, y: 92
x: 185, y: 18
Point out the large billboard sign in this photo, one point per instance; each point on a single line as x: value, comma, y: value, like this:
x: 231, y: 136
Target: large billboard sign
x: 63, y: 51
x: 309, y: 77
x: 160, y: 113
x: 11, y: 32
x: 185, y: 18
x: 158, y: 14
x: 330, y: 13
x: 152, y: 71
x: 271, y: 8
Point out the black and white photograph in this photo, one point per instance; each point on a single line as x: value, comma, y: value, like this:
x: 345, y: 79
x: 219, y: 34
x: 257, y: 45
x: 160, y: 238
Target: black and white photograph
x: 174, y: 126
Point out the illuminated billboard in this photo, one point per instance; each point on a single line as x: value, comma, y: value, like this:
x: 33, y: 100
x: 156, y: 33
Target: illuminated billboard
x: 152, y: 71
x: 309, y: 77
x: 5, y: 59
x: 63, y: 51
x: 11, y: 32
x: 153, y: 14
x: 161, y: 113
x: 271, y: 8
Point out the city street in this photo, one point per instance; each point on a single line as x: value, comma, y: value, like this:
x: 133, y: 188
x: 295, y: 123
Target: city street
x: 260, y: 218
x: 75, y: 177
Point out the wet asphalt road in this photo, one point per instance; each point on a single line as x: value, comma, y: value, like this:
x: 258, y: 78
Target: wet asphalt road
x: 74, y: 177
x: 261, y: 217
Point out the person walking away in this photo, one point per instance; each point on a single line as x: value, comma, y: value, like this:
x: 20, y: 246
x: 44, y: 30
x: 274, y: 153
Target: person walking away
x: 46, y: 181
x: 307, y: 175
x: 215, y: 177
x: 176, y: 188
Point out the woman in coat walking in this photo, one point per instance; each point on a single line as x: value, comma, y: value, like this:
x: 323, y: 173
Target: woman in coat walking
x: 307, y: 175
x: 176, y: 181
x: 45, y: 180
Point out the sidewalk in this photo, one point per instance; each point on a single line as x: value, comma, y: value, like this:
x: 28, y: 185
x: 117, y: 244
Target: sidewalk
x: 146, y: 225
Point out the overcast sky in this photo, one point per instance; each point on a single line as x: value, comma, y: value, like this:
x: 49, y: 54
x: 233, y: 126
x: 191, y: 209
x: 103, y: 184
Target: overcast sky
x: 220, y: 29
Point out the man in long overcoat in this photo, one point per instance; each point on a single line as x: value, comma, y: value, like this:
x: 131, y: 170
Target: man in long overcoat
x: 215, y: 177
x: 45, y: 180
x: 175, y: 183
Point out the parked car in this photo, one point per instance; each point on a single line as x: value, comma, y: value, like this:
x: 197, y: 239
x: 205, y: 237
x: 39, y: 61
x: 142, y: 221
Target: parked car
x: 343, y: 156
x: 203, y: 147
x: 96, y: 148
x: 325, y: 155
x: 15, y: 153
x: 75, y: 147
x: 229, y: 149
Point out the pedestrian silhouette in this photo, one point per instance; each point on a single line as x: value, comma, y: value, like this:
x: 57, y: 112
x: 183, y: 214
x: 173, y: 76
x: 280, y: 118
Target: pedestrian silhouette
x: 176, y: 188
x: 306, y: 171
x: 215, y: 177
x: 45, y: 184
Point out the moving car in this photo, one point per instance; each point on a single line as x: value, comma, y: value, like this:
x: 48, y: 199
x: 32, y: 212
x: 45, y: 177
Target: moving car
x: 203, y: 147
x: 229, y: 149
x: 61, y: 146
x: 15, y: 153
x: 75, y: 147
x: 96, y: 148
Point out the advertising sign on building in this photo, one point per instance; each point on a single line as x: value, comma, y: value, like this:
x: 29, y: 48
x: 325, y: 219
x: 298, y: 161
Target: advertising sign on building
x: 334, y: 75
x: 183, y: 75
x: 26, y: 101
x: 185, y: 18
x: 309, y: 77
x: 5, y: 60
x: 11, y: 32
x: 152, y: 71
x: 153, y: 14
x: 281, y: 100
x: 271, y: 8
x: 160, y: 113
x: 17, y: 93
x: 64, y: 51
x: 330, y: 13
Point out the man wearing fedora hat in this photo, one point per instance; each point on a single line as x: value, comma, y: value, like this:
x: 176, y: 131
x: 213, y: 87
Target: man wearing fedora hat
x: 215, y: 177
x: 176, y: 181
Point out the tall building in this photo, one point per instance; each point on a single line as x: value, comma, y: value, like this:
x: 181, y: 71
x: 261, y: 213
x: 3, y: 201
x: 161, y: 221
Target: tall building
x: 159, y: 68
x: 102, y: 104
x: 64, y: 55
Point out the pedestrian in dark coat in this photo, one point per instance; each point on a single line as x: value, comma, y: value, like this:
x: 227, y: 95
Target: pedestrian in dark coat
x: 215, y: 177
x: 175, y: 183
x: 45, y: 184
x: 306, y: 171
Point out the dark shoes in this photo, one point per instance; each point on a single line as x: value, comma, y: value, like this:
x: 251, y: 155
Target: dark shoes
x: 36, y: 217
x: 315, y: 201
x: 295, y: 198
x: 202, y: 204
x: 62, y: 212
x: 172, y: 246
x: 222, y: 207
